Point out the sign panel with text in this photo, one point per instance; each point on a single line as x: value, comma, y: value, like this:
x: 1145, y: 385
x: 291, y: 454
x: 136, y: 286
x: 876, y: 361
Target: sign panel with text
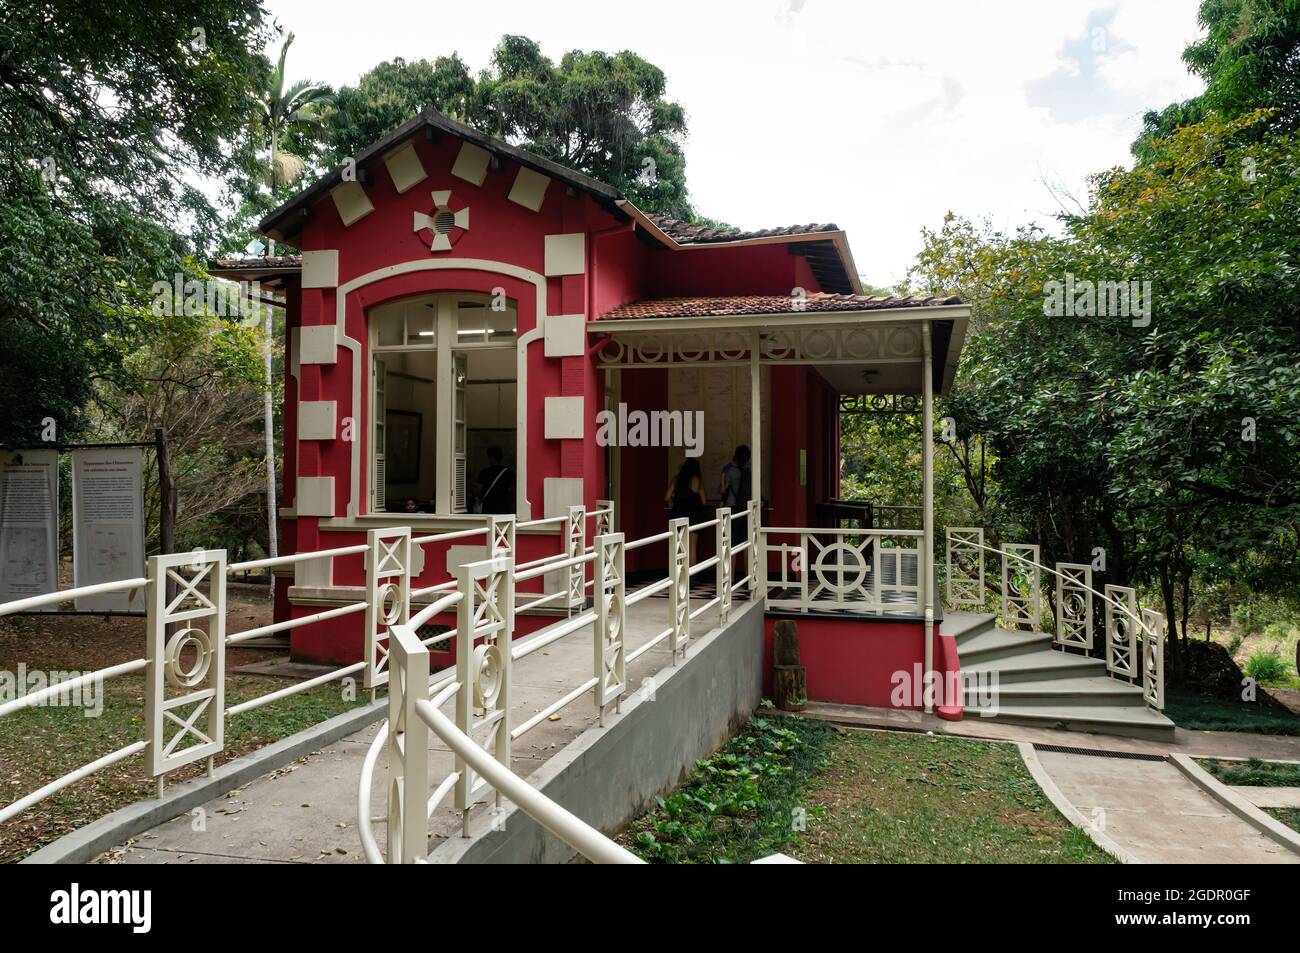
x: 108, y: 524
x: 29, y: 523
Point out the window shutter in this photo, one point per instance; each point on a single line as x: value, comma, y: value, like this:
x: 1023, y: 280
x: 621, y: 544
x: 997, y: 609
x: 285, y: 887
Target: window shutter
x: 380, y: 416
x: 458, y: 412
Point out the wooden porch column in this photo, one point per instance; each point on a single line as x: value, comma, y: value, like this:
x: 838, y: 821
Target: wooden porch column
x: 756, y: 423
x: 926, y: 567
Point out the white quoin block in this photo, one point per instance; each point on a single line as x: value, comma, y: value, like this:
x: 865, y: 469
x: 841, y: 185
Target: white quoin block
x: 564, y: 418
x: 351, y: 201
x: 529, y: 189
x: 317, y: 420
x: 317, y: 344
x: 565, y: 254
x: 405, y: 168
x: 471, y: 163
x: 315, y: 496
x: 565, y: 335
x: 320, y: 269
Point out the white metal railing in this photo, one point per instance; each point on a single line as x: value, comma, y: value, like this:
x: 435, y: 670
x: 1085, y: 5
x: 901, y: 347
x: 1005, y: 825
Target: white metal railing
x: 479, y: 732
x: 1134, y: 636
x: 186, y: 640
x: 869, y: 570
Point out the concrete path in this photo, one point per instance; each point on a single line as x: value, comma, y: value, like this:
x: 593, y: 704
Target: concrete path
x: 1270, y: 796
x: 1226, y: 744
x: 306, y: 812
x: 1153, y: 811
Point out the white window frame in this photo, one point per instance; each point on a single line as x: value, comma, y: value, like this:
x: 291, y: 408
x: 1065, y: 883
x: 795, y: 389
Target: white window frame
x: 451, y: 469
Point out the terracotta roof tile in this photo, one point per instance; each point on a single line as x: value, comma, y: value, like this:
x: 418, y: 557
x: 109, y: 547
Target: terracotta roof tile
x: 767, y: 304
x: 279, y: 261
x: 687, y: 233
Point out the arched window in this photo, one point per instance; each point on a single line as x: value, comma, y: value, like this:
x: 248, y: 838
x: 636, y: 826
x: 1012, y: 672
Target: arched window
x: 442, y: 419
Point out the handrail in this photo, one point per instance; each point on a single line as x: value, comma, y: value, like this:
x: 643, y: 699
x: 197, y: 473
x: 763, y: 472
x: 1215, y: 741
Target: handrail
x: 1073, y: 582
x: 71, y: 685
x: 292, y: 558
x: 67, y: 595
x: 565, y: 825
x: 832, y: 530
x: 435, y: 607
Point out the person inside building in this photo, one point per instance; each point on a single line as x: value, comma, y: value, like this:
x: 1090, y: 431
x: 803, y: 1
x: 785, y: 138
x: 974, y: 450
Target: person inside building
x: 495, y: 489
x: 737, y: 488
x: 685, y: 495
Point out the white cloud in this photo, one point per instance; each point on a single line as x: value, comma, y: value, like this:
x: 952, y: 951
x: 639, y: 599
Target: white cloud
x: 880, y: 117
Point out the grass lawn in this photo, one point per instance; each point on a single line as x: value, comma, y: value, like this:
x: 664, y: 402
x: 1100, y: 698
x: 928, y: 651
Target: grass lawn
x: 1254, y: 773
x: 908, y: 798
x: 1289, y: 816
x: 39, y: 745
x: 825, y: 795
x: 1200, y: 713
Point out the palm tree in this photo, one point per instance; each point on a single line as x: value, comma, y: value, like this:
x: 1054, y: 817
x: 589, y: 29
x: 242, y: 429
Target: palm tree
x: 284, y: 111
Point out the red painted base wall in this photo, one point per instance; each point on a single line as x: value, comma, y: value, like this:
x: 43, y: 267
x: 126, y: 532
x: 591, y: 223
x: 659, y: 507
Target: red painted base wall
x: 855, y: 662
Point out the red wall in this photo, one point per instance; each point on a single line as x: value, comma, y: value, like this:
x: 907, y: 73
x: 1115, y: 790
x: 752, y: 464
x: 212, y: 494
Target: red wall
x: 857, y: 662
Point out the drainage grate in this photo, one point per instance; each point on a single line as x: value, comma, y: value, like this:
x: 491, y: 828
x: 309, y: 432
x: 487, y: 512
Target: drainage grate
x: 1100, y: 753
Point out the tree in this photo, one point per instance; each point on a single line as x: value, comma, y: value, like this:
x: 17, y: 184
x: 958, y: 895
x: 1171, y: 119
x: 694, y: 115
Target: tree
x: 600, y: 113
x: 1174, y: 444
x: 109, y: 121
x: 292, y: 111
x: 1249, y: 59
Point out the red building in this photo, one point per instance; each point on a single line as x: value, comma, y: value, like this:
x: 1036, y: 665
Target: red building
x: 457, y: 294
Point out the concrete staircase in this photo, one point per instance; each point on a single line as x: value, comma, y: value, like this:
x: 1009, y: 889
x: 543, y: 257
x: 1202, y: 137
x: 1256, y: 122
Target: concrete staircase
x: 1045, y: 687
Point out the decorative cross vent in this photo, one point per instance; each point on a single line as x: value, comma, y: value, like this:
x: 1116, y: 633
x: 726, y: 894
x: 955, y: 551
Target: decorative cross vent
x: 445, y: 225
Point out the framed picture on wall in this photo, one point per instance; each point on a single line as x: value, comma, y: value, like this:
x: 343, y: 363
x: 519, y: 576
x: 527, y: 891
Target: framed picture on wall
x: 402, y: 449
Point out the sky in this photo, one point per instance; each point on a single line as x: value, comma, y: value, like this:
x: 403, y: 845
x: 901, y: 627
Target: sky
x: 879, y: 117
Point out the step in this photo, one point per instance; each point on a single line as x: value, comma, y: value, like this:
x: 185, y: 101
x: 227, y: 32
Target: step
x: 1086, y: 692
x: 1000, y: 644
x: 964, y: 626
x: 1039, y: 666
x: 1128, y: 722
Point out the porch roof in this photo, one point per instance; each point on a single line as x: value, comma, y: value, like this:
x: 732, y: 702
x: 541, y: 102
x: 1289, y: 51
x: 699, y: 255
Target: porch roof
x: 723, y: 306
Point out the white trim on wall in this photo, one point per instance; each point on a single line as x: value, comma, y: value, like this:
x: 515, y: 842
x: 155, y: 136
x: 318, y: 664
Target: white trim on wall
x: 523, y: 508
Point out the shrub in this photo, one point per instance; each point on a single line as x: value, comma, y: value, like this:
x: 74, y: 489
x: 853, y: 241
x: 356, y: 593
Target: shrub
x: 1266, y: 666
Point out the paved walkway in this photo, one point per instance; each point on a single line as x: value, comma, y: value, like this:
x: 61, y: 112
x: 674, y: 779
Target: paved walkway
x: 1198, y: 744
x: 1148, y: 807
x: 306, y: 812
x: 1153, y: 811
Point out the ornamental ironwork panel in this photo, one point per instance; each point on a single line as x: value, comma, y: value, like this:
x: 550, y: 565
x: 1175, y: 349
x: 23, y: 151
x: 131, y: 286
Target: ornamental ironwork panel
x: 185, y: 713
x: 388, y: 596
x: 1074, y: 605
x: 575, y: 546
x: 1121, y: 631
x: 609, y: 636
x: 964, y: 564
x: 679, y: 592
x: 1022, y: 597
x: 408, y: 750
x: 484, y: 628
x: 1153, y: 658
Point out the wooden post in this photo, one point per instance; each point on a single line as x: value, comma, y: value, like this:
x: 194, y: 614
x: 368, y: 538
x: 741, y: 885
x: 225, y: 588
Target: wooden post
x: 166, y: 505
x: 789, y: 678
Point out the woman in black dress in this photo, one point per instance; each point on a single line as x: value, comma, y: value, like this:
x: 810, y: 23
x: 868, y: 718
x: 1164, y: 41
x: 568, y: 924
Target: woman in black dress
x: 686, y: 495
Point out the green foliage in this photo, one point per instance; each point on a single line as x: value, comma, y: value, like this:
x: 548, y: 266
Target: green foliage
x: 109, y: 121
x: 1174, y: 445
x: 604, y: 114
x: 1265, y: 665
x: 1249, y: 57
x: 739, y: 805
x: 1196, y: 712
x: 1254, y: 772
